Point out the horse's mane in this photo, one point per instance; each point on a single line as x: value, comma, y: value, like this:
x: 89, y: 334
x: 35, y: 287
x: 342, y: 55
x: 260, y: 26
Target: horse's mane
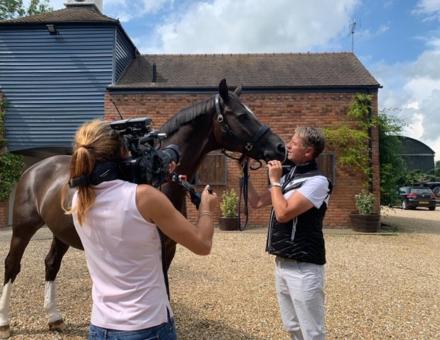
x: 187, y: 115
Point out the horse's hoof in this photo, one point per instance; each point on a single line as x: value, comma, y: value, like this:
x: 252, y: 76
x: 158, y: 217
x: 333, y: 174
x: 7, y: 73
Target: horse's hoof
x: 57, y: 326
x: 5, y: 332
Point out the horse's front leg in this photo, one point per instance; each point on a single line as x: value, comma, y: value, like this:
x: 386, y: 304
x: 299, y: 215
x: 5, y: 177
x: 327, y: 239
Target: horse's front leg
x: 53, y: 263
x: 21, y: 235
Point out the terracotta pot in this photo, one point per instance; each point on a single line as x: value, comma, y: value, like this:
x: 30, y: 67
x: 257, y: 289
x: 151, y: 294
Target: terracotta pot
x: 365, y: 223
x: 229, y: 223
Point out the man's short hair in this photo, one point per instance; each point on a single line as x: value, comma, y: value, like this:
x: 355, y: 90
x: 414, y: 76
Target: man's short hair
x: 312, y: 137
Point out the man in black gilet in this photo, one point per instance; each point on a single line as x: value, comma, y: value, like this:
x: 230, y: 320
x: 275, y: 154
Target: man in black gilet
x: 299, y: 200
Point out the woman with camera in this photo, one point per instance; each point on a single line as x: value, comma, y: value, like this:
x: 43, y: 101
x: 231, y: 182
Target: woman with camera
x: 117, y: 222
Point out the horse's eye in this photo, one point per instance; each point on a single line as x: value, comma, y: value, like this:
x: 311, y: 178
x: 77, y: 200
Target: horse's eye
x: 243, y: 118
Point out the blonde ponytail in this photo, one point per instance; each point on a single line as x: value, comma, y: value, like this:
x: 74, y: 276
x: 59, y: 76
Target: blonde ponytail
x: 94, y: 141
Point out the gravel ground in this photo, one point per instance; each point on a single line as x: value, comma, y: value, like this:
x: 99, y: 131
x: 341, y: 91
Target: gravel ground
x: 379, y: 286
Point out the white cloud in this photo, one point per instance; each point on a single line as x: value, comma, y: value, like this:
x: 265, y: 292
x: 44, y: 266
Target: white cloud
x: 57, y: 4
x: 414, y: 88
x: 225, y: 26
x: 428, y: 8
x: 415, y: 129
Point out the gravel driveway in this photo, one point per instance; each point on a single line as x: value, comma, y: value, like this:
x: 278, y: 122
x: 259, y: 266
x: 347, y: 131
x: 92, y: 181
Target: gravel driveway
x: 420, y: 220
x: 378, y: 286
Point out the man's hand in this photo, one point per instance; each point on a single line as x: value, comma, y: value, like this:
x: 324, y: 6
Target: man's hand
x: 275, y: 171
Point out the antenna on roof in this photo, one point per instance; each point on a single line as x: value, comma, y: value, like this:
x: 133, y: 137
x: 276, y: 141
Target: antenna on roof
x: 116, y: 108
x: 352, y: 31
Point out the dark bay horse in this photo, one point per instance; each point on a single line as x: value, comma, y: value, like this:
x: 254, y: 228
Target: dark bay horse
x: 220, y: 122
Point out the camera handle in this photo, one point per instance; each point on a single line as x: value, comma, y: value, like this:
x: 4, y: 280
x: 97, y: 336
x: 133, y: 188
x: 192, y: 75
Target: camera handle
x: 193, y: 194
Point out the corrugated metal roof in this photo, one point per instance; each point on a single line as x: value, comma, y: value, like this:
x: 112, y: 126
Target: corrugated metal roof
x: 250, y: 70
x: 411, y: 146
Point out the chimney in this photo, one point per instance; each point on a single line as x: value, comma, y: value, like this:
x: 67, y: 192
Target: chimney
x: 96, y: 3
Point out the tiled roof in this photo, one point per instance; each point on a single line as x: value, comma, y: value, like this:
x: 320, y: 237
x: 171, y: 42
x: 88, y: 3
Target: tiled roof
x: 70, y: 14
x: 249, y: 70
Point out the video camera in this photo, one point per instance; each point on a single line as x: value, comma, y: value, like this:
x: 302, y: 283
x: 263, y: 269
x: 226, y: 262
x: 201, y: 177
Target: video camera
x: 148, y: 163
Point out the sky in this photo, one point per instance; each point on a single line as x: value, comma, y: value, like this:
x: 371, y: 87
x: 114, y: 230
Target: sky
x: 398, y: 41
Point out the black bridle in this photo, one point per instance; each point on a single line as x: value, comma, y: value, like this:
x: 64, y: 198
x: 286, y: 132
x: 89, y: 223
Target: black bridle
x: 248, y: 145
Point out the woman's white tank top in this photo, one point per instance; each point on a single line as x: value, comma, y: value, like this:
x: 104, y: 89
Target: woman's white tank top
x: 123, y: 255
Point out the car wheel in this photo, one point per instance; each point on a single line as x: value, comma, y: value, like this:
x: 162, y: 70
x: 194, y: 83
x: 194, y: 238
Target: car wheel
x: 404, y: 205
x: 431, y: 208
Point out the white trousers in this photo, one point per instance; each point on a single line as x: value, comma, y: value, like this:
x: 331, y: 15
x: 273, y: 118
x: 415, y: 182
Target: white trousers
x: 300, y: 292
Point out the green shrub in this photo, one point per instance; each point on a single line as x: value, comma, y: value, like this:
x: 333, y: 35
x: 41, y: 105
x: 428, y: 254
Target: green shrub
x: 10, y: 165
x: 364, y: 203
x: 10, y: 169
x: 229, y: 204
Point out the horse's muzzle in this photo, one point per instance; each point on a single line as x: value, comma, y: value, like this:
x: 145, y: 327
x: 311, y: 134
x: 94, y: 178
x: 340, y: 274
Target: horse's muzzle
x: 279, y: 153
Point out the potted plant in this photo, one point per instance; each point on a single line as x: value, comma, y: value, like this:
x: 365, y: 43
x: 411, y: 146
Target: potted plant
x: 229, y: 208
x: 365, y: 220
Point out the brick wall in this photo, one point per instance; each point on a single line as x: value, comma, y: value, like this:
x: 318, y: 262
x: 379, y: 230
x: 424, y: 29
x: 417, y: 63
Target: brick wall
x: 282, y: 112
x: 3, y: 204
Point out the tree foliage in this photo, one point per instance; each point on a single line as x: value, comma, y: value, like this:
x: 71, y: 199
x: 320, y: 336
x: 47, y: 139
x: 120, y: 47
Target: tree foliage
x: 11, y: 165
x: 350, y: 139
x: 11, y: 9
x: 392, y: 166
x: 437, y: 169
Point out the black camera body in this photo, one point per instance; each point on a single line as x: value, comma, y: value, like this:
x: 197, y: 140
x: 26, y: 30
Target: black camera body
x: 148, y: 163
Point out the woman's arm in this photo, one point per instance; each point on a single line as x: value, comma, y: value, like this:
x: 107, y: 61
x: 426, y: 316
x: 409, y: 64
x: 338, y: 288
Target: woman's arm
x: 156, y: 207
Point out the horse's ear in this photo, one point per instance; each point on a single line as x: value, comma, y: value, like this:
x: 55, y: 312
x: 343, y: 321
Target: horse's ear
x: 237, y: 90
x: 223, y: 90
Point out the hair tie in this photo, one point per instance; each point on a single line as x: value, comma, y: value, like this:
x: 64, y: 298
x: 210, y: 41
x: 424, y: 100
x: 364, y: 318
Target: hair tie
x: 88, y: 147
x: 80, y: 181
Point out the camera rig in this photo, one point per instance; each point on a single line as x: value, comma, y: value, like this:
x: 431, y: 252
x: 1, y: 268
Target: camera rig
x: 149, y: 163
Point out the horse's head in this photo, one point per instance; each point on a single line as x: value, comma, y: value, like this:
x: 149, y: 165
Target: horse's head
x: 238, y: 129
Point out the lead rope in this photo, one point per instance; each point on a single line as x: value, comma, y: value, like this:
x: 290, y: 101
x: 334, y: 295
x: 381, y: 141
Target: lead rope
x: 244, y: 184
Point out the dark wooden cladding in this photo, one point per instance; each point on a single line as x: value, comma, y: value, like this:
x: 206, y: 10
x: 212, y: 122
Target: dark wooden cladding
x: 326, y: 163
x: 212, y: 170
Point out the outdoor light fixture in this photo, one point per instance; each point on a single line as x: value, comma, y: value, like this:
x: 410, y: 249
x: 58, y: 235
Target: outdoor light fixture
x: 51, y: 28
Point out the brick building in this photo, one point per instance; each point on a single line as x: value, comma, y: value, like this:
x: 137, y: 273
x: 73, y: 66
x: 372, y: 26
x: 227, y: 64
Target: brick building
x: 98, y: 65
x: 284, y: 91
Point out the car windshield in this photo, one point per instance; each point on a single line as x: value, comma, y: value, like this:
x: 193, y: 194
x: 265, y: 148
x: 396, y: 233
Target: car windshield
x: 421, y: 190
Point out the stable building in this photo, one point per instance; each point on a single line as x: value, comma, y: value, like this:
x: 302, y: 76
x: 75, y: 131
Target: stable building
x: 62, y: 68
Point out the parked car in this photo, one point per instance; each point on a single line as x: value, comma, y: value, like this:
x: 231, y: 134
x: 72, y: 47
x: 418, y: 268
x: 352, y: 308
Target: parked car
x: 434, y: 186
x: 413, y: 197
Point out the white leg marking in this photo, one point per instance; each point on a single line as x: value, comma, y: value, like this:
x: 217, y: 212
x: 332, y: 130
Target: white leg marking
x: 50, y: 304
x: 4, y: 304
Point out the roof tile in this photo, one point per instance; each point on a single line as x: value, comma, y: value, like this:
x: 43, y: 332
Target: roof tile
x: 251, y: 70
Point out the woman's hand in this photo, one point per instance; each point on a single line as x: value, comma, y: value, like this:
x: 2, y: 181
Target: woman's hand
x: 171, y: 167
x: 208, y: 200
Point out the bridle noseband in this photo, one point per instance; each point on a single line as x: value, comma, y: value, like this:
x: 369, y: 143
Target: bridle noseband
x: 248, y: 145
